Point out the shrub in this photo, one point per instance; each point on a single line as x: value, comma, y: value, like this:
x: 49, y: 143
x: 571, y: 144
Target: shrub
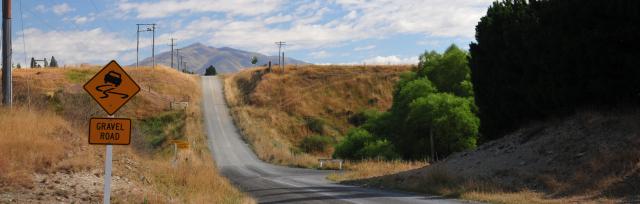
x: 315, y: 144
x: 360, y: 144
x: 159, y: 129
x: 315, y: 124
x: 379, y: 149
x: 353, y: 142
x: 360, y: 118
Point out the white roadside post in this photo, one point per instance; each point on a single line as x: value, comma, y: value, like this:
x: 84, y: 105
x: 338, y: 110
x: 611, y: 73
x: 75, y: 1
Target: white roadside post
x: 107, y: 173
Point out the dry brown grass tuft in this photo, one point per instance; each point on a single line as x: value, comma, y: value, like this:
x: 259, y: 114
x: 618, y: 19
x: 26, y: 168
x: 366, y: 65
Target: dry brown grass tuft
x: 374, y: 168
x: 194, y: 182
x: 30, y: 142
x: 274, y: 110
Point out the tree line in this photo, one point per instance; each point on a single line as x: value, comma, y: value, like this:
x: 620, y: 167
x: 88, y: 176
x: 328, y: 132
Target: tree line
x: 45, y: 63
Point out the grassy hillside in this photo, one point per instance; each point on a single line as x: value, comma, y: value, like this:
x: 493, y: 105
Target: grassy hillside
x: 277, y: 111
x: 47, y: 158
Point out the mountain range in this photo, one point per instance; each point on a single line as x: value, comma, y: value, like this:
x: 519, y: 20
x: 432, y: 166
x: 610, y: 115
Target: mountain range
x: 225, y: 59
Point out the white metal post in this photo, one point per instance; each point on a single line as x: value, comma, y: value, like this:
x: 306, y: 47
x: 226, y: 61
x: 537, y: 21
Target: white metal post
x: 107, y: 173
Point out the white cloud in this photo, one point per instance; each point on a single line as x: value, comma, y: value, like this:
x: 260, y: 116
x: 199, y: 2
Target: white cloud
x: 368, y: 47
x: 391, y: 60
x: 159, y: 9
x: 319, y: 54
x: 74, y: 47
x: 62, y: 9
x: 309, y: 26
x: 41, y: 8
x: 82, y: 19
x: 278, y: 19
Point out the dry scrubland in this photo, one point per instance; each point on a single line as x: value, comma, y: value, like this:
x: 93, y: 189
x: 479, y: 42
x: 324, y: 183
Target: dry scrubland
x: 46, y: 158
x: 275, y: 111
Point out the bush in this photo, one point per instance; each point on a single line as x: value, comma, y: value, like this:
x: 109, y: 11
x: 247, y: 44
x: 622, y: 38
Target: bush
x: 315, y: 144
x: 360, y: 118
x: 360, y: 144
x: 379, y: 149
x: 315, y: 124
x: 535, y: 59
x: 159, y: 129
x: 352, y: 143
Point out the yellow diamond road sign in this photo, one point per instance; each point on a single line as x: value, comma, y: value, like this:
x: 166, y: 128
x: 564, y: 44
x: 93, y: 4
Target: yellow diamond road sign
x: 112, y: 87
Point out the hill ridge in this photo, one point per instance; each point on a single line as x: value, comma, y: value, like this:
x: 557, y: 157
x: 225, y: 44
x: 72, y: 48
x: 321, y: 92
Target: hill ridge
x: 199, y: 56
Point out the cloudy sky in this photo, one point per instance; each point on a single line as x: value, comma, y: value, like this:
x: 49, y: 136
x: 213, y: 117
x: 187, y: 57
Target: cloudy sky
x: 330, y: 31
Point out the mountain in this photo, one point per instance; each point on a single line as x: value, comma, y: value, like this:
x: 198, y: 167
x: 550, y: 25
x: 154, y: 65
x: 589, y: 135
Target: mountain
x: 199, y: 56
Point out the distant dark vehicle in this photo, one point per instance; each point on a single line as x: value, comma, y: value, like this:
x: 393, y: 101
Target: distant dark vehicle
x: 113, y: 78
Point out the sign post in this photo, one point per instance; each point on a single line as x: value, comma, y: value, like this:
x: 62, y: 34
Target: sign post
x: 107, y: 174
x: 111, y: 87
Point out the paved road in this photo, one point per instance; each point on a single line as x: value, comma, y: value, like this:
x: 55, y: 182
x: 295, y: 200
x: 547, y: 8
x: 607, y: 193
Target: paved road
x: 269, y: 183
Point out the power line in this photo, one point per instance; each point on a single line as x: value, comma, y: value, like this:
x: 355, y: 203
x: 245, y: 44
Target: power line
x: 153, y: 47
x: 24, y: 43
x: 280, y: 45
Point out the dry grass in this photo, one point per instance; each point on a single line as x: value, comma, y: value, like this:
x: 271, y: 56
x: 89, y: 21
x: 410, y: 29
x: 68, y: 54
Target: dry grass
x: 273, y: 110
x: 30, y: 142
x: 520, y: 197
x: 46, y: 134
x: 194, y: 182
x: 373, y: 168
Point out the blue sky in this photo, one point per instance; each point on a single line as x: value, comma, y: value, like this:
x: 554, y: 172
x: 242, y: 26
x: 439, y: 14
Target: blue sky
x: 323, y: 32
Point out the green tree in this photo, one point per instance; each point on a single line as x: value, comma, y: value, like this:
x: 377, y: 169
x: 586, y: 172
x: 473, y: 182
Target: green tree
x: 537, y: 59
x: 449, y: 118
x: 254, y: 60
x: 33, y: 63
x: 210, y: 71
x: 54, y: 62
x: 446, y: 71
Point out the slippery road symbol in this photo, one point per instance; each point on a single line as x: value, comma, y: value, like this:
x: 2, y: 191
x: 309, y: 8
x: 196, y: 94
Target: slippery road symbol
x: 111, y: 81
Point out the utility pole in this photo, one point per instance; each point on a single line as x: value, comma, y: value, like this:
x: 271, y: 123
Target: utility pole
x: 172, y: 44
x: 153, y: 47
x: 178, y: 57
x: 137, y: 43
x: 7, y: 93
x: 181, y: 62
x: 282, y: 62
x: 280, y: 44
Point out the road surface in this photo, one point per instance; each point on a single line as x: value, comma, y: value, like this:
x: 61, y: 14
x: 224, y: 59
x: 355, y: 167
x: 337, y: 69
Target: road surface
x: 269, y: 183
